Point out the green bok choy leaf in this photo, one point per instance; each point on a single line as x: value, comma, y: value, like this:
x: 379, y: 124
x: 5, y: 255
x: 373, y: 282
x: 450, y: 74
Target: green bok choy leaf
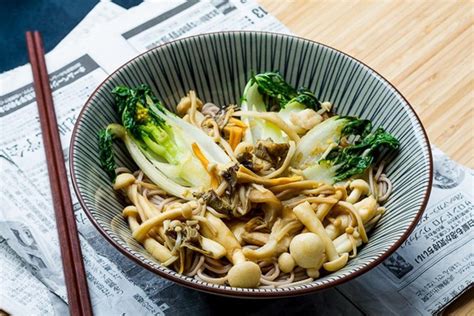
x: 160, y: 143
x: 270, y: 92
x: 322, y: 156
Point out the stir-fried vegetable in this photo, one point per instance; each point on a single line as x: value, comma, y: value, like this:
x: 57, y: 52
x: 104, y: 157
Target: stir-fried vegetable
x: 106, y: 152
x: 302, y: 100
x: 355, y: 159
x: 270, y: 92
x: 324, y: 154
x: 171, y: 151
x: 259, y: 128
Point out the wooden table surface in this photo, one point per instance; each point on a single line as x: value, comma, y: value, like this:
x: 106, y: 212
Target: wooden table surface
x: 424, y: 48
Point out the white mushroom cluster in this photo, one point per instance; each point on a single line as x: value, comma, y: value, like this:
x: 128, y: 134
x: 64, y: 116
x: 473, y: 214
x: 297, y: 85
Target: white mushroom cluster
x: 295, y: 241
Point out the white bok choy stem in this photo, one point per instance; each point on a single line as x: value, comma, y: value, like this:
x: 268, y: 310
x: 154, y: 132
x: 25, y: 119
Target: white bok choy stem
x: 147, y: 167
x: 259, y: 128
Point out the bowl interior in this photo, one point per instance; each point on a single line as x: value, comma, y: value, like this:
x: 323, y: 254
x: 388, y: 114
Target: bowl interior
x: 217, y: 67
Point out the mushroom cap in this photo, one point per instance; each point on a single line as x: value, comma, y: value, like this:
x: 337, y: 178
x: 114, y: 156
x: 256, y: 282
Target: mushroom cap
x: 130, y: 210
x: 307, y: 249
x: 313, y: 273
x: 361, y: 185
x: 342, y: 190
x: 185, y: 104
x: 123, y: 180
x: 286, y: 263
x: 244, y: 274
x: 187, y: 211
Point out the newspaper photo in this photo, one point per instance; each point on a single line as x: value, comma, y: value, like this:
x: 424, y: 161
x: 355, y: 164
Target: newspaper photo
x: 427, y: 272
x: 21, y: 293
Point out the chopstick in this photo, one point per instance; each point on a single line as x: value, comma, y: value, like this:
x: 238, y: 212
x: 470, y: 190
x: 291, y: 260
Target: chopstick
x: 71, y: 256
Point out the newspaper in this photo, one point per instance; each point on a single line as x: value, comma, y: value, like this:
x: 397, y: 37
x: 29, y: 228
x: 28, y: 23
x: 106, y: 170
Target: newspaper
x: 117, y: 285
x: 144, y: 28
x: 21, y: 293
x: 436, y: 263
x: 27, y: 219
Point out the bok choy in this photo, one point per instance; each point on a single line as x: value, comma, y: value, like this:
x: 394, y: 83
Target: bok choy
x: 269, y: 92
x: 325, y: 155
x: 174, y: 154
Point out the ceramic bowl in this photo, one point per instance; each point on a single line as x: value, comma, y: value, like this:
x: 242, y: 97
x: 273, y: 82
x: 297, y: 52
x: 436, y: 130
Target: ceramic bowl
x: 217, y: 66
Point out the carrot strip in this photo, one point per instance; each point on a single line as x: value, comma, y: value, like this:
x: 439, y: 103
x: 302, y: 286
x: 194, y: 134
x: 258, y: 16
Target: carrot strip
x: 235, y: 135
x: 205, y: 163
x: 237, y: 122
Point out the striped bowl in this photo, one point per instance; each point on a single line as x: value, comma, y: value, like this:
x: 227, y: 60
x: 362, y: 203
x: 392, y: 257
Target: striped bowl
x: 217, y: 66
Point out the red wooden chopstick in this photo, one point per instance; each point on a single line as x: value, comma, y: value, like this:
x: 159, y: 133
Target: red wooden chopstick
x: 73, y: 265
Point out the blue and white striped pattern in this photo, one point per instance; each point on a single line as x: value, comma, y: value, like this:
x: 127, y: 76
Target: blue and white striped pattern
x: 217, y: 67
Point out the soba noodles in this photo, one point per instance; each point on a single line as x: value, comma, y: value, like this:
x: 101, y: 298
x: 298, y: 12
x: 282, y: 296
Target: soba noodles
x: 272, y: 193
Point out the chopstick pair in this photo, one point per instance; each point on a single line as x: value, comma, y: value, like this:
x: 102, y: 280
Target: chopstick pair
x: 73, y: 265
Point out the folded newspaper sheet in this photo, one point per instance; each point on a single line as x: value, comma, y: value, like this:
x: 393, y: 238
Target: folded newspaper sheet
x: 418, y: 277
x: 436, y: 263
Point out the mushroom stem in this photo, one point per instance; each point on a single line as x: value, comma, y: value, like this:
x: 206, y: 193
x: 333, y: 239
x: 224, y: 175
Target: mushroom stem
x: 255, y: 238
x: 306, y: 215
x: 338, y: 225
x: 216, y: 250
x: 311, y: 199
x: 147, y: 207
x: 363, y: 211
x: 280, y: 230
x: 283, y: 244
x: 141, y: 232
x: 266, y: 251
x: 220, y: 233
x: 299, y: 185
x: 360, y: 223
x: 271, y: 205
x: 324, y: 208
x: 157, y: 250
x: 343, y: 243
x: 359, y: 187
x: 244, y: 273
x: 245, y: 175
x: 238, y: 229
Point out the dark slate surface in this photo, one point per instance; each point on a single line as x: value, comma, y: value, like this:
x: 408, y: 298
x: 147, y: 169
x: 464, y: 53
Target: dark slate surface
x: 53, y: 18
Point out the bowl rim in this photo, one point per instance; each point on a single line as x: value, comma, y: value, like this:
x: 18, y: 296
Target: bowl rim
x: 243, y: 294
